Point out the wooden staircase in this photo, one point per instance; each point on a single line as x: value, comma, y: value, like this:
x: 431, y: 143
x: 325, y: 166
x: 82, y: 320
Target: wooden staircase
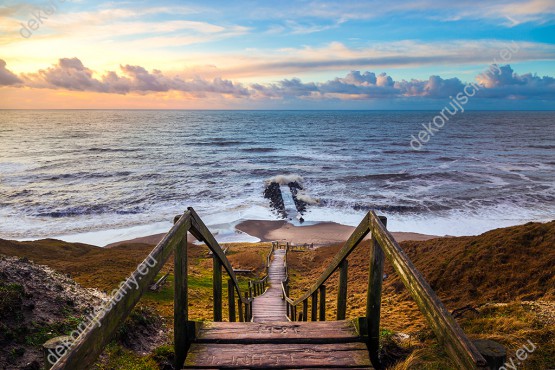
x: 271, y: 341
x: 274, y: 329
x: 278, y: 345
x: 270, y: 306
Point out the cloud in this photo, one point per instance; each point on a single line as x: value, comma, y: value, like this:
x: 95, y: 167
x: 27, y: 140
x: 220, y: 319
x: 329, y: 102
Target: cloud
x: 407, y: 53
x: 7, y: 77
x: 71, y: 74
x: 502, y: 82
x: 507, y: 12
x: 293, y: 88
x: 366, y: 84
x: 435, y: 87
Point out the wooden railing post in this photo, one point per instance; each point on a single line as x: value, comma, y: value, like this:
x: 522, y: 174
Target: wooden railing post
x: 288, y: 305
x: 305, y: 310
x: 322, y: 302
x: 231, y: 300
x: 374, y: 297
x: 314, y: 308
x: 240, y: 307
x: 180, y: 303
x: 342, y: 291
x: 248, y: 311
x: 217, y: 288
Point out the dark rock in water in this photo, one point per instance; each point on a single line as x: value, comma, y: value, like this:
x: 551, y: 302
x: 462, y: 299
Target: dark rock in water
x: 273, y: 193
x: 299, y: 204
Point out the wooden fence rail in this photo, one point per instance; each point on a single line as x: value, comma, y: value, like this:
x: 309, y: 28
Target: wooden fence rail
x: 463, y: 352
x: 258, y: 287
x: 85, y: 349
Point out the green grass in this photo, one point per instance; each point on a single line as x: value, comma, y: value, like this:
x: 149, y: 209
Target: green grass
x: 119, y: 358
x: 11, y: 297
x: 39, y: 334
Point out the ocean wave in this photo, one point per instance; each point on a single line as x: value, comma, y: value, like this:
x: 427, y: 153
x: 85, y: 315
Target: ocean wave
x: 113, y: 150
x: 217, y: 161
x: 259, y: 150
x: 87, y: 211
x: 87, y: 175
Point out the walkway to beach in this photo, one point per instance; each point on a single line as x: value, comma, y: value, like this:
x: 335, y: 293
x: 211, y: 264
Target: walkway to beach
x: 270, y: 306
x: 272, y: 341
x: 306, y: 339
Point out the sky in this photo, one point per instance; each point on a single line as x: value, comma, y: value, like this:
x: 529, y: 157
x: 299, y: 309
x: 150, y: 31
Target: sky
x: 418, y: 54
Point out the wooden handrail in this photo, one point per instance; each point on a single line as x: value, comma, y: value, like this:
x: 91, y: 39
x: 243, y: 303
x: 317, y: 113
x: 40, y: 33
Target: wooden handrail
x: 258, y: 286
x: 202, y: 234
x: 459, y: 347
x: 88, y: 345
x: 356, y: 237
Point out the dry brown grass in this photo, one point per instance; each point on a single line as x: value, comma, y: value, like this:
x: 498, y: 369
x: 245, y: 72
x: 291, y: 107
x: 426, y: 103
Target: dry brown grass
x: 501, y: 266
x: 104, y: 269
x: 505, y: 265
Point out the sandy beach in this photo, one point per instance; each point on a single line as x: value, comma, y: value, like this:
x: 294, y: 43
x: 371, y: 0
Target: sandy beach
x: 324, y: 233
x: 321, y: 234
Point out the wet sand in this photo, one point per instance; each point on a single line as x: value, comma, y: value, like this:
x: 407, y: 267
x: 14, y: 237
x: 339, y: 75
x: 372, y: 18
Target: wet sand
x: 324, y: 233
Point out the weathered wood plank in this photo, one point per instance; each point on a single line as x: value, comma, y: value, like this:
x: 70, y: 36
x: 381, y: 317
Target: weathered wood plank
x: 342, y: 291
x: 322, y: 302
x: 314, y: 306
x: 278, y: 332
x: 270, y: 306
x: 278, y: 356
x: 180, y: 303
x: 231, y: 300
x: 217, y: 288
x: 444, y: 326
x: 374, y: 297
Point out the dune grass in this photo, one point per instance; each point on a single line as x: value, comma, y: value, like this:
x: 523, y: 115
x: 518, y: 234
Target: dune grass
x: 94, y: 267
x: 505, y: 274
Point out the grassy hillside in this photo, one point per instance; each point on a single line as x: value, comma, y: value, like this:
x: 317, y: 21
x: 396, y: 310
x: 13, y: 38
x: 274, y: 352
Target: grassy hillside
x: 104, y: 269
x: 505, y: 276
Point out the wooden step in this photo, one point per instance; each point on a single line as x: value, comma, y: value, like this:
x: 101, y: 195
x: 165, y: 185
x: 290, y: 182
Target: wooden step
x: 270, y: 306
x: 277, y: 356
x: 278, y: 332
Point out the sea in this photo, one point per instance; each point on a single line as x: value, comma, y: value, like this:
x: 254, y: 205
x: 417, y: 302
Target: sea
x: 99, y: 176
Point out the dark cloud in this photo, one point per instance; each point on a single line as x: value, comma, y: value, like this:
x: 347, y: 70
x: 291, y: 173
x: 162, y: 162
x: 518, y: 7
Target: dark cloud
x: 435, y: 87
x: 6, y: 76
x: 502, y: 82
x: 499, y: 82
x: 285, y: 89
x: 71, y: 74
x: 366, y: 84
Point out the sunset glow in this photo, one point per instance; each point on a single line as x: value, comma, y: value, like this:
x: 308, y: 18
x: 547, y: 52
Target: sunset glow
x: 245, y: 55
